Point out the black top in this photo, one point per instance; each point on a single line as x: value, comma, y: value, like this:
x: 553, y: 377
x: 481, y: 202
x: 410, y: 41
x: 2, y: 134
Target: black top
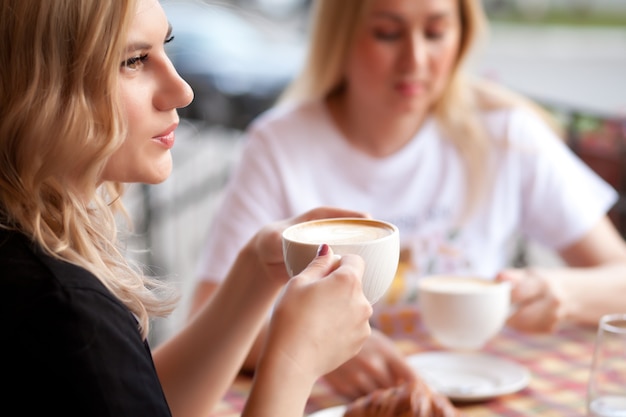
x: 67, y: 345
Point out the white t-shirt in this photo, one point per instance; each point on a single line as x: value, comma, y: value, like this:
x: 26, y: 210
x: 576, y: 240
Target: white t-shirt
x: 295, y: 159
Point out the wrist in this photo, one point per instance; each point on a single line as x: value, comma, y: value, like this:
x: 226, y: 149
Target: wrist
x: 279, y: 379
x: 276, y: 364
x: 254, y: 271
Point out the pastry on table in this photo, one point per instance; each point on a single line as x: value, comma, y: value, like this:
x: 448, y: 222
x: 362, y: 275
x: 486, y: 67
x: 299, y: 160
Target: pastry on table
x: 414, y: 399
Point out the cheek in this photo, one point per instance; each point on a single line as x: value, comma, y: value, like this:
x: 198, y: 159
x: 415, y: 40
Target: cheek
x: 115, y: 168
x: 133, y: 109
x: 368, y: 63
x: 443, y: 64
x: 122, y: 164
x: 447, y: 60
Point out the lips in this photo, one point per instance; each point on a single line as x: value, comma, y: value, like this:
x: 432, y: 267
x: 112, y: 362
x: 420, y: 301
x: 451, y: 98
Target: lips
x: 167, y: 138
x: 410, y: 88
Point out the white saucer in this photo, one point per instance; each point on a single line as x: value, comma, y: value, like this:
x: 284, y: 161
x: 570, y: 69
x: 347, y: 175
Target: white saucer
x: 461, y: 377
x: 336, y: 411
x: 469, y: 376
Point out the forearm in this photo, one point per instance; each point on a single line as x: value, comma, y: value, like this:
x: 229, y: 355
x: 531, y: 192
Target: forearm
x: 203, y: 291
x: 590, y: 292
x: 279, y: 389
x: 252, y: 358
x: 197, y: 365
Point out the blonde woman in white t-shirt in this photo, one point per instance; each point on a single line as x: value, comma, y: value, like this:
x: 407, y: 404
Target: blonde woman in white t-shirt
x: 383, y: 119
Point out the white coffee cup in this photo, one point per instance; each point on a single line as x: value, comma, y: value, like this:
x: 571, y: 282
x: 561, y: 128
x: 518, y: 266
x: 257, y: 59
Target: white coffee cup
x: 463, y: 313
x: 376, y: 241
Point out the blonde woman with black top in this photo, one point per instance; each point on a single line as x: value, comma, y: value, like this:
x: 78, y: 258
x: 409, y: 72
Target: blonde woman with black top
x: 88, y: 101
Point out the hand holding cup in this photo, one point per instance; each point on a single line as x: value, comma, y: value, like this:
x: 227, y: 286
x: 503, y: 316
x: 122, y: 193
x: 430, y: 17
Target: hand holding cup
x: 322, y: 318
x: 377, y: 242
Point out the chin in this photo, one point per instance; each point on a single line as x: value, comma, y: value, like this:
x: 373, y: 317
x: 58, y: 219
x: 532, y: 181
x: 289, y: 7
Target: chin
x: 154, y: 181
x: 410, y: 108
x: 161, y: 171
x: 160, y: 178
x: 156, y: 176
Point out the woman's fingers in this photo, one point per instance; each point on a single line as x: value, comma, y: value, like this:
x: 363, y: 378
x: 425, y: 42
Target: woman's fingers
x: 323, y: 316
x: 537, y: 308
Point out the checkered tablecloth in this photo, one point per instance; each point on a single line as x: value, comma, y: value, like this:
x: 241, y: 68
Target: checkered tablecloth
x: 559, y: 364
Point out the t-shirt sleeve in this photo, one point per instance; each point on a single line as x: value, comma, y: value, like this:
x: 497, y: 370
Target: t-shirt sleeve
x: 245, y: 208
x: 562, y: 197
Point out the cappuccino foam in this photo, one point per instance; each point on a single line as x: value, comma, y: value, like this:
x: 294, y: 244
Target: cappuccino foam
x: 339, y: 231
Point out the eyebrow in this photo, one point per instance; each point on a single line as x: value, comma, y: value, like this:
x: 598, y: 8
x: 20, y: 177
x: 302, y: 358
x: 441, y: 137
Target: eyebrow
x: 387, y: 15
x: 135, y: 46
x: 398, y: 18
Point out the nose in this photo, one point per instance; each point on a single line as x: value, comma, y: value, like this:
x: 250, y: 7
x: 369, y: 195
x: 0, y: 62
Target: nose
x: 414, y: 54
x: 174, y: 92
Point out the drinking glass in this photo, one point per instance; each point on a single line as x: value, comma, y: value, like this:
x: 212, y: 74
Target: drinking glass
x: 606, y: 395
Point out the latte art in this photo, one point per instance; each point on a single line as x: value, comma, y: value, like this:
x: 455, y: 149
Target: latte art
x: 338, y: 232
x: 376, y: 242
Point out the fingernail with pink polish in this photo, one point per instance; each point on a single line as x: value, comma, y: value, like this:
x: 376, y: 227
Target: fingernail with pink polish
x: 322, y: 250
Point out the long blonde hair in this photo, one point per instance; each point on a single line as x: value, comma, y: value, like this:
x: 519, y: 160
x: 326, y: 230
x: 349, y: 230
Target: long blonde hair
x: 333, y: 27
x: 60, y: 120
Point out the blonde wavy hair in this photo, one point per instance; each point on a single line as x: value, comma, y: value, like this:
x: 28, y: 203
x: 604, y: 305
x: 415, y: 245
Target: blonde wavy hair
x: 333, y: 27
x: 60, y: 121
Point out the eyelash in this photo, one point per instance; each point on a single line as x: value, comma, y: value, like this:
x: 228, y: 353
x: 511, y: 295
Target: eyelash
x: 387, y: 36
x: 390, y: 37
x: 435, y: 35
x: 130, y: 62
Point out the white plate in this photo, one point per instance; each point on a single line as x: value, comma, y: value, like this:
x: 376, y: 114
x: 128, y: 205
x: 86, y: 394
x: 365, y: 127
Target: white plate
x: 336, y: 411
x: 461, y: 377
x: 469, y: 376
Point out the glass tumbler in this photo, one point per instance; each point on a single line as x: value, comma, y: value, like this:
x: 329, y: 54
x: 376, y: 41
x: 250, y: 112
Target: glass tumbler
x: 606, y: 394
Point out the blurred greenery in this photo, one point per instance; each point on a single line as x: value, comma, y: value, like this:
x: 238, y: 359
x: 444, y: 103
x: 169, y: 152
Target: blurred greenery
x: 567, y: 12
x: 587, y: 123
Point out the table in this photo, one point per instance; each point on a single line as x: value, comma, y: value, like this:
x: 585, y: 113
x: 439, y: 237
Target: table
x: 559, y: 364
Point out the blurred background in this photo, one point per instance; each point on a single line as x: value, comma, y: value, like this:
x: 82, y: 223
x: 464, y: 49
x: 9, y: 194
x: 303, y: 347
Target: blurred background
x: 238, y: 55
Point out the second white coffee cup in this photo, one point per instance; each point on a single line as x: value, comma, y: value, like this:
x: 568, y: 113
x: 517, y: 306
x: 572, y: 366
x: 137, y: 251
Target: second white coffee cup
x: 376, y: 241
x: 463, y: 313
